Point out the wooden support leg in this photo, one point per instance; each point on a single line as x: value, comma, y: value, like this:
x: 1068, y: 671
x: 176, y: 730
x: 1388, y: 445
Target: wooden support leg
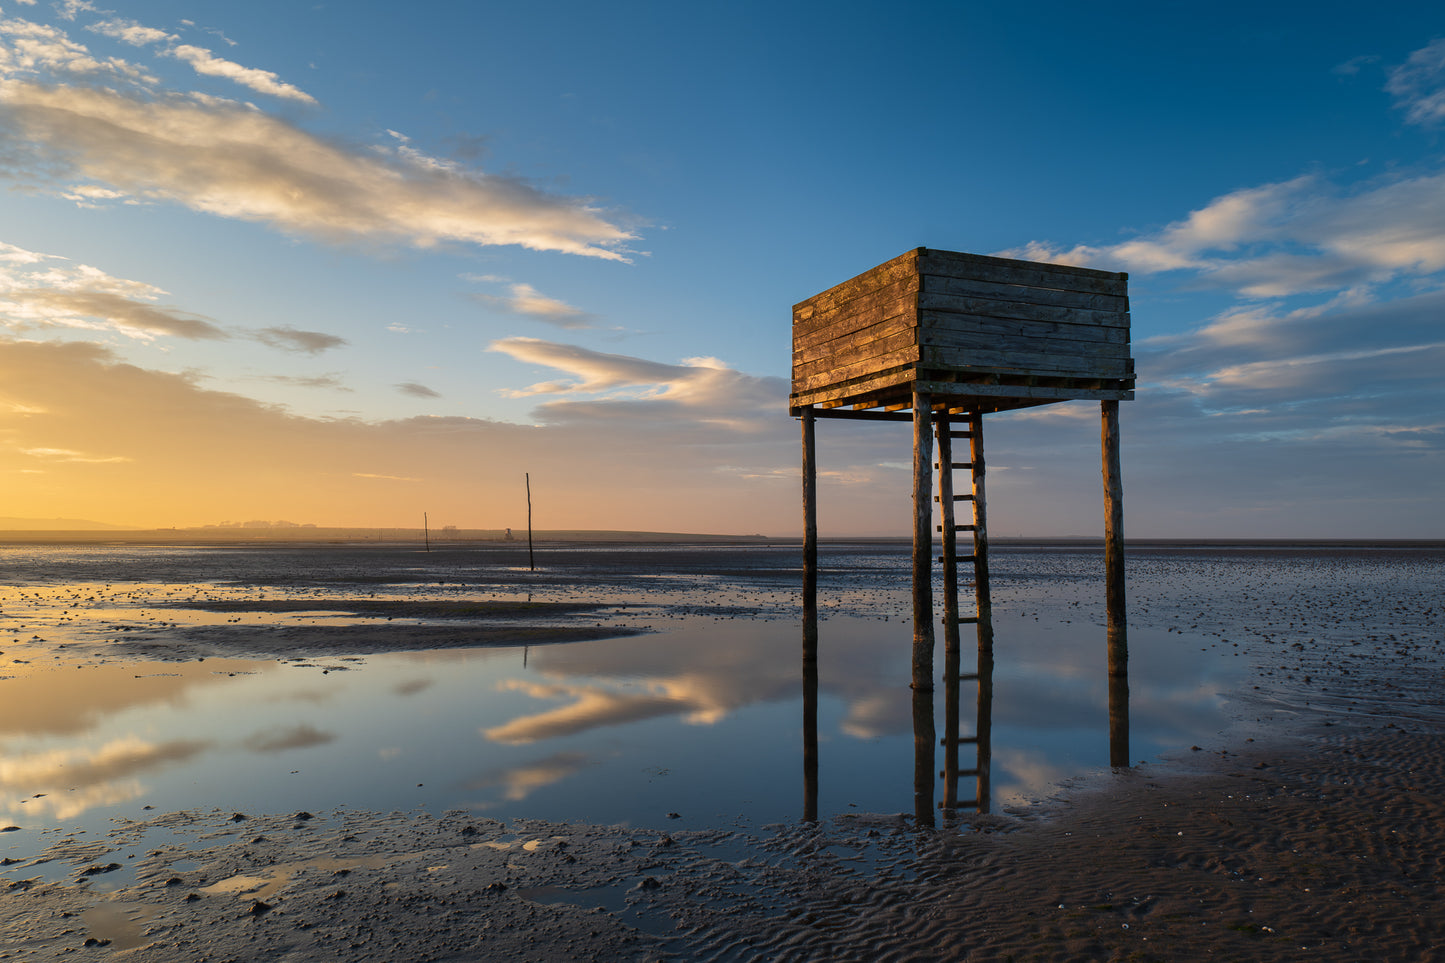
x: 810, y: 620
x: 810, y: 518
x: 1114, y: 581
x: 922, y: 542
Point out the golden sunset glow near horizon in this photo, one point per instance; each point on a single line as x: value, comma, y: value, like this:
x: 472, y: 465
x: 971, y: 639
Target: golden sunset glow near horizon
x: 343, y: 266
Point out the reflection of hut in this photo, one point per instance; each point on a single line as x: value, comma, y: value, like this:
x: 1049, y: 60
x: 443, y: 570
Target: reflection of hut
x: 940, y: 339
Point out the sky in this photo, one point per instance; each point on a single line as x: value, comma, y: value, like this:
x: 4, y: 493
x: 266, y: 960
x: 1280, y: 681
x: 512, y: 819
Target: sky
x: 345, y: 264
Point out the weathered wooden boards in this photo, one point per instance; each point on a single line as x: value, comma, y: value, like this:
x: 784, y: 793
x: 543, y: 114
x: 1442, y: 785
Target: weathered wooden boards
x: 990, y: 333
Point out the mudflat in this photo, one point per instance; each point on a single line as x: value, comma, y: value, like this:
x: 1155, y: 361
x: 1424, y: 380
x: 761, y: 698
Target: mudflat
x: 1312, y: 830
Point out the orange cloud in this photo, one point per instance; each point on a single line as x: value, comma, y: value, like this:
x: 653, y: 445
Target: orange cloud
x: 82, y: 434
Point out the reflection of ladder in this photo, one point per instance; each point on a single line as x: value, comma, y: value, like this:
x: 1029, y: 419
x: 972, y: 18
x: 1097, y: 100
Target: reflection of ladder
x: 981, y: 619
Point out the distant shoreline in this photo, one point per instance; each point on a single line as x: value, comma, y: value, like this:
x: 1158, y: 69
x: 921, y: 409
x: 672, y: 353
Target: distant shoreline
x: 469, y: 538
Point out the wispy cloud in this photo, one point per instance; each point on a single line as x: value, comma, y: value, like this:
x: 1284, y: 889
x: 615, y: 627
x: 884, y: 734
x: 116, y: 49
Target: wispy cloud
x: 1419, y: 84
x: 69, y: 8
x: 235, y: 161
x: 102, y: 309
x: 135, y: 34
x: 595, y: 371
x: 1298, y: 236
x: 332, y: 382
x: 616, y: 388
x: 368, y: 474
x: 28, y: 48
x: 1352, y: 66
x: 261, y: 81
x: 191, y: 446
x: 417, y: 390
x: 43, y: 290
x: 201, y: 60
x: 1304, y: 235
x: 527, y: 302
x: 69, y: 455
x: 142, y: 142
x: 291, y: 339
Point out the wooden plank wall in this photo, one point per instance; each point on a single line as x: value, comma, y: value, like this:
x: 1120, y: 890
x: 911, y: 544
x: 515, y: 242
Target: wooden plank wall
x: 1038, y: 319
x: 861, y: 327
x: 965, y: 318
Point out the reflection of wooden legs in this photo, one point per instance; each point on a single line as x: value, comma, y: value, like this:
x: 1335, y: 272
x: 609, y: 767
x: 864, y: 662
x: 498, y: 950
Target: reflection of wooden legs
x: 924, y: 735
x: 1114, y: 591
x: 810, y: 715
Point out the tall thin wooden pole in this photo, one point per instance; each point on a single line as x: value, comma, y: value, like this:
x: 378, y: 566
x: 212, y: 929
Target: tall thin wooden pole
x: 810, y: 619
x: 922, y: 542
x: 1114, y: 582
x: 810, y: 518
x: 531, y: 559
x: 425, y: 531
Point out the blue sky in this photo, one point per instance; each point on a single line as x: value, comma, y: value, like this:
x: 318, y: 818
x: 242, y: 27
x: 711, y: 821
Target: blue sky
x: 339, y: 264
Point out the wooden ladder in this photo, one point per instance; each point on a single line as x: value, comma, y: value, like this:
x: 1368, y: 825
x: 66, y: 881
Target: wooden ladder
x: 982, y: 617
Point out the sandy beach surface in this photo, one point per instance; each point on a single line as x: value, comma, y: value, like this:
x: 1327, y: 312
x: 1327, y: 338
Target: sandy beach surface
x: 1313, y: 830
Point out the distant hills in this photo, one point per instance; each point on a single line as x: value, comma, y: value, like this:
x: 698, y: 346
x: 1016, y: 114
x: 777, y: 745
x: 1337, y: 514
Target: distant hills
x: 11, y: 524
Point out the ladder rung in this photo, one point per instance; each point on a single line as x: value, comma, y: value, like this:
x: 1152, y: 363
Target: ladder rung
x: 968, y: 620
x: 964, y: 740
x: 968, y: 677
x: 965, y: 528
x: 960, y: 434
x: 963, y: 498
x: 968, y: 772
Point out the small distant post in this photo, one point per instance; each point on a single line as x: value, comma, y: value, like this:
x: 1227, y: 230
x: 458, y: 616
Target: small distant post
x: 1114, y: 587
x: 531, y: 559
x: 425, y: 532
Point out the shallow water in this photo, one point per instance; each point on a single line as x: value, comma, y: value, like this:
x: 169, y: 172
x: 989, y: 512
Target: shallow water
x: 698, y: 722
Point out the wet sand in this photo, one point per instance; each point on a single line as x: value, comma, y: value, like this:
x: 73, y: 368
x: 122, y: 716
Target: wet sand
x: 1315, y: 831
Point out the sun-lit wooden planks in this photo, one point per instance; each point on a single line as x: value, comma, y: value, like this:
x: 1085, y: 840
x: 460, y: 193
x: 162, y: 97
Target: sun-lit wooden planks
x: 1001, y: 332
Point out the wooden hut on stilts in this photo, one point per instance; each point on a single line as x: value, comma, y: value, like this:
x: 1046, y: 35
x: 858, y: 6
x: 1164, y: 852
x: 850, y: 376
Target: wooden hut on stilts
x: 940, y: 339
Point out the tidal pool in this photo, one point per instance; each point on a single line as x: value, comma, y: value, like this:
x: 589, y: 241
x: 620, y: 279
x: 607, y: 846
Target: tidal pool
x: 696, y: 721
